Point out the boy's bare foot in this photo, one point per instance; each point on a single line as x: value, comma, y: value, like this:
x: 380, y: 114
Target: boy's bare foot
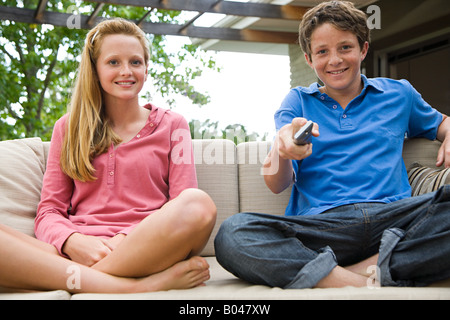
x: 182, y: 275
x: 364, y: 267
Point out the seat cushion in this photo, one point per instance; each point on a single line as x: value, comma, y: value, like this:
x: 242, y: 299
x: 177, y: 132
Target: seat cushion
x: 217, y: 174
x: 254, y: 196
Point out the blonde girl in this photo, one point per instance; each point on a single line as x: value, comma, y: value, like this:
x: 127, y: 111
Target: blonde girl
x: 120, y: 192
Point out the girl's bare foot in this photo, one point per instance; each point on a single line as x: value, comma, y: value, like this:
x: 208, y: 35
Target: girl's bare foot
x: 182, y: 275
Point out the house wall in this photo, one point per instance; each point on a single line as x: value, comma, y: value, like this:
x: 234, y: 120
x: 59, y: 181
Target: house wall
x: 429, y: 73
x: 301, y: 72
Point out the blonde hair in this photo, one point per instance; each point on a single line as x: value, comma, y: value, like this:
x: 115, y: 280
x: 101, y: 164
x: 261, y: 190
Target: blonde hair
x: 88, y: 133
x: 341, y: 14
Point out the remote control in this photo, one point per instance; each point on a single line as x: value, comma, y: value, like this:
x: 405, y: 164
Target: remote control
x: 304, y: 135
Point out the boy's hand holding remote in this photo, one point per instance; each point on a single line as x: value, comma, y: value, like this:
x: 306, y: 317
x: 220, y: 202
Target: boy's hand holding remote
x: 287, y: 148
x: 304, y: 135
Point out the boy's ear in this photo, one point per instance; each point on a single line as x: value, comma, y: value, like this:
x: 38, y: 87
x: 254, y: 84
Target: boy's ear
x: 364, y: 50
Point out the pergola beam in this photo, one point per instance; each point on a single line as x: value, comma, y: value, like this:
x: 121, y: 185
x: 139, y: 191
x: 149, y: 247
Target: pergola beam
x: 94, y: 14
x: 244, y: 9
x: 61, y: 19
x: 145, y: 17
x: 40, y: 9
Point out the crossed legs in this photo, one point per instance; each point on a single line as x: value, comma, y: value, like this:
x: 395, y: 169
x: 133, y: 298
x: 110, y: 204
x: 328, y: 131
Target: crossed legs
x: 159, y: 254
x: 405, y: 243
x: 282, y: 252
x: 27, y: 263
x: 178, y: 231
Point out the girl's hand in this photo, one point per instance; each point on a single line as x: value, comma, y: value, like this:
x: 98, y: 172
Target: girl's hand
x: 116, y: 240
x: 87, y: 250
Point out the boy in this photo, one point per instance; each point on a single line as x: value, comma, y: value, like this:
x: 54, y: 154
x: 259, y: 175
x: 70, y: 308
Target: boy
x: 351, y: 207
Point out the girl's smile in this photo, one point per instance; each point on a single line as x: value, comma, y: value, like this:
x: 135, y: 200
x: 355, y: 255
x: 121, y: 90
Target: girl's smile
x: 121, y: 68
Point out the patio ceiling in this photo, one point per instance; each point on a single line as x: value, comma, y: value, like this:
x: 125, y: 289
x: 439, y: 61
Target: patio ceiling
x: 273, y: 23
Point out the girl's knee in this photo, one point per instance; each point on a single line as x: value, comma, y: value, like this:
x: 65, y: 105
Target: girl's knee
x: 198, y: 207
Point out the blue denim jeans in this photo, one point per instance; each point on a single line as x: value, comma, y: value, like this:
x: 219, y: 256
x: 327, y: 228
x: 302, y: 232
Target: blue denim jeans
x: 412, y: 237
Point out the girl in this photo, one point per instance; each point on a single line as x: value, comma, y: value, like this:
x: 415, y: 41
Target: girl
x: 119, y: 193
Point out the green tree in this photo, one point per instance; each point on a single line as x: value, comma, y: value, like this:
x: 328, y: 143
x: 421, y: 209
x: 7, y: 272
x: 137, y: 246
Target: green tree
x: 38, y: 65
x: 239, y: 134
x: 210, y: 130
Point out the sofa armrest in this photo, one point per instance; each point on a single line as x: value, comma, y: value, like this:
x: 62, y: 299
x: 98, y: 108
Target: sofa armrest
x: 22, y: 167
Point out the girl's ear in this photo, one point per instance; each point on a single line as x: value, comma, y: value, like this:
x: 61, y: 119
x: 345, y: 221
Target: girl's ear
x: 308, y: 60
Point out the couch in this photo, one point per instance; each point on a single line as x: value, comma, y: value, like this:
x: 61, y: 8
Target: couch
x: 231, y: 176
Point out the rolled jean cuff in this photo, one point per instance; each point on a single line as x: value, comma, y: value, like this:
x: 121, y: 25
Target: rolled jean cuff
x: 389, y: 241
x: 315, y: 270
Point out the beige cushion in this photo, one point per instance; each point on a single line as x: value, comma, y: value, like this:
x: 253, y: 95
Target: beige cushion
x: 422, y: 151
x: 255, y: 196
x: 215, y: 162
x: 46, y: 145
x: 424, y: 179
x: 21, y: 173
x: 45, y: 295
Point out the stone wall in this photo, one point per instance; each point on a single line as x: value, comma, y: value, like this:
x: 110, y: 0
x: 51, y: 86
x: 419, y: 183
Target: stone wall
x: 301, y: 72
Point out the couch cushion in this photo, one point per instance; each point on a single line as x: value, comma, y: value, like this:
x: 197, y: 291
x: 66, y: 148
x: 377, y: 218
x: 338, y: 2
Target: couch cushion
x: 46, y: 145
x: 21, y: 173
x: 44, y: 295
x: 420, y: 150
x: 253, y: 192
x: 217, y: 175
x: 225, y: 286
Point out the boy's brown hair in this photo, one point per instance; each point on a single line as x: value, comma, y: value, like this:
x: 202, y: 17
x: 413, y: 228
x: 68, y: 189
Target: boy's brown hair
x: 341, y: 14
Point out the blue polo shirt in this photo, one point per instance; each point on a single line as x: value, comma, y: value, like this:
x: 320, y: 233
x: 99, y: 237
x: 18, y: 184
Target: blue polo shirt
x: 358, y: 156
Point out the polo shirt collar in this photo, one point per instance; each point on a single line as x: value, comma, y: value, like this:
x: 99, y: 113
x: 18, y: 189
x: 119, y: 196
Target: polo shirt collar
x: 314, y: 88
x: 371, y: 83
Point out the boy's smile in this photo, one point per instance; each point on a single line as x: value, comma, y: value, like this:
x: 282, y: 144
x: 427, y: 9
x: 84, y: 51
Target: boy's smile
x: 336, y: 58
x: 337, y: 72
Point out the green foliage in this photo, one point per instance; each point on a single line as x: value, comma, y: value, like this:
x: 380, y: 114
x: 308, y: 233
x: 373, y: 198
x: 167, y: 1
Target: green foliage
x: 36, y: 75
x: 38, y: 65
x: 209, y: 130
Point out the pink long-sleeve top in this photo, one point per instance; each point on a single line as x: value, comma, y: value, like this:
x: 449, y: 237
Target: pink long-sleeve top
x: 134, y: 179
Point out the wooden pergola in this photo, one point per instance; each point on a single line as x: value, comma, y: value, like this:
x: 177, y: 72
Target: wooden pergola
x: 42, y: 15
